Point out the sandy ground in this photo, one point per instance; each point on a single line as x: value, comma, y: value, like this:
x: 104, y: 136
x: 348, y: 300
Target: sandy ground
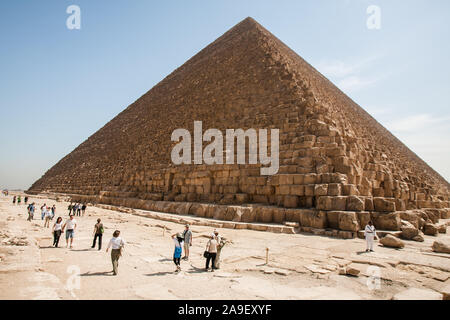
x: 301, y: 266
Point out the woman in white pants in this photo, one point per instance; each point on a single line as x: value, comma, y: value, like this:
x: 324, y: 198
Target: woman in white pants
x: 370, y: 234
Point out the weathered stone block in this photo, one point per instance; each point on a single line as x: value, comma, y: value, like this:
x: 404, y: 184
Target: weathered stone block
x: 383, y: 205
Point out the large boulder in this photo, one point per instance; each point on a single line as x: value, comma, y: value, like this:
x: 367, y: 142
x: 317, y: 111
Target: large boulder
x: 383, y: 204
x: 430, y: 229
x: 348, y: 221
x: 313, y: 218
x: 392, y: 242
x: 409, y: 233
x: 441, y: 247
x: 355, y: 203
x: 386, y: 221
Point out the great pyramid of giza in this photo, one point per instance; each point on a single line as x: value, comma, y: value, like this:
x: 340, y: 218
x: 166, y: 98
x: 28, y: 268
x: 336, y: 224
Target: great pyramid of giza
x: 338, y: 166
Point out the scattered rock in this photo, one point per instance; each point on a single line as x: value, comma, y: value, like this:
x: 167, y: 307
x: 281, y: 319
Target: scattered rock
x: 445, y: 292
x: 16, y: 241
x: 10, y: 218
x: 441, y: 247
x: 430, y: 229
x: 442, y: 228
x: 418, y: 294
x: 418, y: 238
x: 349, y: 271
x: 282, y: 272
x: 391, y: 241
x: 409, y: 232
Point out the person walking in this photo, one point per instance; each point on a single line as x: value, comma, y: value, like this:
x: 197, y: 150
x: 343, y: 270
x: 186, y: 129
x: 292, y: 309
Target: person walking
x: 83, y: 209
x: 71, y: 225
x: 117, y: 244
x: 26, y: 200
x: 187, y: 237
x: 70, y: 208
x: 53, y: 211
x: 177, y: 239
x: 98, y: 233
x: 79, y: 209
x: 30, y: 212
x: 14, y: 200
x: 19, y: 200
x: 211, y: 249
x: 57, y: 228
x: 48, y: 217
x: 43, y: 209
x: 369, y: 234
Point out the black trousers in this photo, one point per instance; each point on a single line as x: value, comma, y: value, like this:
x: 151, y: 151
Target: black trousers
x: 212, y: 257
x: 56, y: 235
x: 176, y: 261
x: 99, y: 236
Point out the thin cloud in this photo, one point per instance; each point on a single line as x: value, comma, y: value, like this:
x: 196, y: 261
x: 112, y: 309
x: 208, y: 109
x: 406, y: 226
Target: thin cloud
x: 349, y: 76
x: 417, y: 122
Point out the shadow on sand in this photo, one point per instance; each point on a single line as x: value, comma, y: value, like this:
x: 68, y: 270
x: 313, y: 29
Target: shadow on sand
x: 104, y: 273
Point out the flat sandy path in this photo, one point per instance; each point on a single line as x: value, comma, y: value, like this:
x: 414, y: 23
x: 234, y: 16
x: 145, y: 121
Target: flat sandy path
x: 301, y: 266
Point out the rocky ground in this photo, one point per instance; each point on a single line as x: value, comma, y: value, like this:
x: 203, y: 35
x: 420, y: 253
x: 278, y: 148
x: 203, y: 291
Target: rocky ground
x: 301, y: 266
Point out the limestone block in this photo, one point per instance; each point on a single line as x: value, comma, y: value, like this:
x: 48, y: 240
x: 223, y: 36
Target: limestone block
x: 290, y: 201
x: 386, y: 221
x: 383, y: 205
x: 320, y: 190
x: 355, y: 203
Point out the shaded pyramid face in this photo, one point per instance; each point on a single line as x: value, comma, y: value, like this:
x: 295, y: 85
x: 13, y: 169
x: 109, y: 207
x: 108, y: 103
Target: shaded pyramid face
x: 334, y: 156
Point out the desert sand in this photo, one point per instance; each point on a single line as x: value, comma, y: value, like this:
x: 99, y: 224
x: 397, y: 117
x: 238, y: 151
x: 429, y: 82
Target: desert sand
x: 301, y: 266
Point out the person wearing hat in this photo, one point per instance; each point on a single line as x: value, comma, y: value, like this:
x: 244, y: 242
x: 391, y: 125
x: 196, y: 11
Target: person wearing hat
x: 220, y: 244
x: 177, y: 239
x: 211, y: 248
x: 187, y: 236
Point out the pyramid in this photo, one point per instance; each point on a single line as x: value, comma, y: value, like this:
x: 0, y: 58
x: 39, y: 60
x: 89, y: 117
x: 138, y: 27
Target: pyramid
x: 338, y: 166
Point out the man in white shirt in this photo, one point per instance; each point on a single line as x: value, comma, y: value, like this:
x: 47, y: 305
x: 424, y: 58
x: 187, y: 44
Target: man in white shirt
x: 370, y: 234
x: 116, y: 243
x: 71, y: 224
x: 48, y: 217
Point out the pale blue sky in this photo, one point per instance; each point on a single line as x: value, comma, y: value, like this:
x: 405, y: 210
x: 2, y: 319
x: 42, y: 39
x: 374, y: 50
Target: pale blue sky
x: 59, y: 86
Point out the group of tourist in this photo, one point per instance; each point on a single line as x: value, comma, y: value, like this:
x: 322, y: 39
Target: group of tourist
x: 77, y: 209
x: 5, y: 192
x: 19, y: 199
x: 211, y: 254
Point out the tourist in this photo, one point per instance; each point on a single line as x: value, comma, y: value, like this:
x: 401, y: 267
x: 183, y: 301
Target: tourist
x: 177, y: 239
x: 26, y: 200
x: 71, y: 224
x: 98, y: 233
x: 14, y: 200
x: 57, y: 228
x: 43, y: 209
x: 117, y: 245
x: 187, y: 237
x: 211, y: 250
x: 53, y: 211
x: 75, y: 209
x: 370, y: 234
x: 48, y: 217
x: 79, y: 209
x: 83, y: 209
x: 31, y: 212
x: 220, y: 244
x: 70, y: 208
x: 19, y: 200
